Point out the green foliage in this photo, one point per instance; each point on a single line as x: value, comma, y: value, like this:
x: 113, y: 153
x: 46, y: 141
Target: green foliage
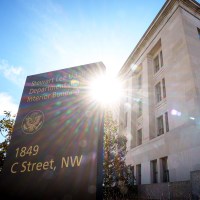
x: 115, y: 169
x: 6, y: 129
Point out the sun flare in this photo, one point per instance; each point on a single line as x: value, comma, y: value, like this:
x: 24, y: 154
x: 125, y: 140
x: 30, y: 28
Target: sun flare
x: 106, y: 90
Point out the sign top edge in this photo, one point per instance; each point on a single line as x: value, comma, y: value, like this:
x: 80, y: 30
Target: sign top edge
x: 101, y: 64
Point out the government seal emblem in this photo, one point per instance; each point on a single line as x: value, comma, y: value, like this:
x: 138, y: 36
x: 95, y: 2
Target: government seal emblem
x: 32, y: 122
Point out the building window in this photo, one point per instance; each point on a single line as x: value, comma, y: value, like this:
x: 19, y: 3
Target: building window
x: 158, y: 92
x: 154, y: 171
x: 138, y: 174
x: 140, y: 81
x: 161, y: 120
x: 161, y: 59
x: 131, y: 176
x: 166, y: 122
x: 139, y: 137
x: 158, y: 62
x: 164, y: 170
x: 164, y: 88
x: 198, y: 32
x: 160, y: 125
x: 139, y: 108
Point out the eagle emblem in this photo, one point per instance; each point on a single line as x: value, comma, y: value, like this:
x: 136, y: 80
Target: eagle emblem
x: 33, y: 122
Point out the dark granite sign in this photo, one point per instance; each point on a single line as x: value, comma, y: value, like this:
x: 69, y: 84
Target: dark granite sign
x: 56, y: 147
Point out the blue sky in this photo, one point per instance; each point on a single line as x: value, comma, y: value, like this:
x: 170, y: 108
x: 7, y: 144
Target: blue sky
x: 39, y: 36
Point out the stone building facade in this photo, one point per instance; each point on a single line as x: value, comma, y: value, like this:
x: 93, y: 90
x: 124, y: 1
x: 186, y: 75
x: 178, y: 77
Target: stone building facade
x: 160, y: 112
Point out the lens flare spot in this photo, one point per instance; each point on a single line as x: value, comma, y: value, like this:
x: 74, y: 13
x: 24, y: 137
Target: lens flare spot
x: 58, y: 103
x: 106, y: 90
x: 68, y: 112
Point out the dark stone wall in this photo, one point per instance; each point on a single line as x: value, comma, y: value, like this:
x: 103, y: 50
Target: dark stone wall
x: 173, y: 190
x: 180, y: 190
x: 195, y: 184
x: 154, y: 191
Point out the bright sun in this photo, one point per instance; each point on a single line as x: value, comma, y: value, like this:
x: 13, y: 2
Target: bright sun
x: 106, y: 90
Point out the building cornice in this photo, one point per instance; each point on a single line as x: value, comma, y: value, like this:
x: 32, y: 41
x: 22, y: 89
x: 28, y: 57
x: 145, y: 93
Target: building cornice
x: 190, y: 5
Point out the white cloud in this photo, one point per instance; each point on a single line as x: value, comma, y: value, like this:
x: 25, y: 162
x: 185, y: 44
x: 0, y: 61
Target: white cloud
x: 7, y: 104
x: 11, y: 72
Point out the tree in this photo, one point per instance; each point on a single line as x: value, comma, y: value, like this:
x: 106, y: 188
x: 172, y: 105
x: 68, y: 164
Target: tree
x: 6, y: 129
x: 115, y: 169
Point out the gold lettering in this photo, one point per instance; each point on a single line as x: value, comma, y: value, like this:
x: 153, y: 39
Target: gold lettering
x: 39, y: 166
x: 43, y: 82
x: 51, y: 163
x: 64, y: 162
x: 30, y: 99
x: 13, y: 171
x: 24, y: 166
x: 29, y: 164
x: 75, y: 161
x: 45, y: 165
x: 33, y: 166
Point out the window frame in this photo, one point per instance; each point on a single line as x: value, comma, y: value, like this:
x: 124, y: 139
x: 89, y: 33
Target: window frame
x: 158, y: 61
x: 158, y: 92
x: 164, y: 170
x: 139, y: 108
x: 156, y: 64
x: 198, y: 30
x: 166, y: 122
x: 154, y: 171
x: 139, y: 137
x: 160, y: 125
x: 161, y: 59
x: 138, y: 174
x: 164, y: 88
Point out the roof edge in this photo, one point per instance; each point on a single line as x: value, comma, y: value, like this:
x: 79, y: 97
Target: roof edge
x: 167, y: 5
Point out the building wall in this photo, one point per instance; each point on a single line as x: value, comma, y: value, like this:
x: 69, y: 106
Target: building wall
x: 178, y: 190
x: 177, y: 37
